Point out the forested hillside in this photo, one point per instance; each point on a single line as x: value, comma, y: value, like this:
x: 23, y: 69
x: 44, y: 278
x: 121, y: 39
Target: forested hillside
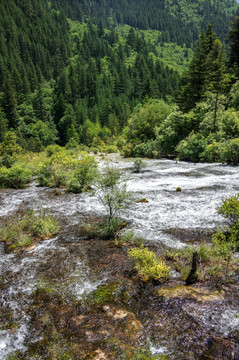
x: 74, y: 71
x: 179, y: 21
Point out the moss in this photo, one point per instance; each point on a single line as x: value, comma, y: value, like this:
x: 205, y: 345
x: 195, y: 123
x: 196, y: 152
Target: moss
x: 103, y: 294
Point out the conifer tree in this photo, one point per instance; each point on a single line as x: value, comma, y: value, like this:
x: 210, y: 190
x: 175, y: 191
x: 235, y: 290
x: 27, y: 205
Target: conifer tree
x: 234, y: 45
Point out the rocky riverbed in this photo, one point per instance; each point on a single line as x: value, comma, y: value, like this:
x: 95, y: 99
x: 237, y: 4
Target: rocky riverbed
x: 76, y: 298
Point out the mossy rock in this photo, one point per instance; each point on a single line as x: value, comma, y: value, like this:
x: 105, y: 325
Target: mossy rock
x: 200, y: 294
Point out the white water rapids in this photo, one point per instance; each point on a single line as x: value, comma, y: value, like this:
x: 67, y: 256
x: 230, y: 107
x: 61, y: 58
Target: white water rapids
x: 195, y: 207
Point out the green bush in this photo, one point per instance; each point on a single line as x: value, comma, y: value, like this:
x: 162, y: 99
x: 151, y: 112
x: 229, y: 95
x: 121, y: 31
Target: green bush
x: 148, y: 265
x: 213, y: 152
x: 191, y: 148
x: 9, y: 145
x: 53, y: 149
x: 138, y: 165
x: 111, y: 149
x: 84, y: 175
x: 145, y: 149
x: 231, y: 152
x: 15, y: 177
x: 230, y: 210
x: 113, y: 195
x: 57, y: 170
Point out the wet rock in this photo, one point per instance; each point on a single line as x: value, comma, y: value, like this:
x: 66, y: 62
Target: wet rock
x: 144, y: 201
x: 201, y: 294
x: 2, y: 248
x: 99, y: 355
x: 193, y: 276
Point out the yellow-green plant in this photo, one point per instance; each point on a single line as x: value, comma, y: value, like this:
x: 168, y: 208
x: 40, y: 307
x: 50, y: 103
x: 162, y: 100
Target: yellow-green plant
x: 58, y: 169
x: 85, y: 174
x: 148, y: 265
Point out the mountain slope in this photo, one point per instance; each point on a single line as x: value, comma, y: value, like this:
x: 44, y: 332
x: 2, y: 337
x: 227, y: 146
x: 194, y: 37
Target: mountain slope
x: 180, y: 21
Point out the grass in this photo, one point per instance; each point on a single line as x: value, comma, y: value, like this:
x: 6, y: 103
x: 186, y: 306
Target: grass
x: 214, y: 262
x: 23, y: 230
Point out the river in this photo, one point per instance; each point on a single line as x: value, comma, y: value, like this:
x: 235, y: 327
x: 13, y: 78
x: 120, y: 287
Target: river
x: 63, y: 261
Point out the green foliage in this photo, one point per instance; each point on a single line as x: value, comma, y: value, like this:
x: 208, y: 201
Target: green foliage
x: 85, y: 174
x: 138, y: 165
x: 9, y: 145
x: 191, y: 148
x: 230, y: 210
x: 145, y: 118
x: 40, y: 224
x: 21, y: 231
x: 148, y: 265
x: 113, y: 195
x: 231, y: 153
x: 234, y: 96
x: 129, y: 238
x: 58, y: 169
x: 15, y: 177
x: 172, y: 130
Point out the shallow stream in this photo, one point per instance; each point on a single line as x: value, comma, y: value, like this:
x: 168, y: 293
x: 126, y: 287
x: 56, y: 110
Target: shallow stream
x: 65, y: 264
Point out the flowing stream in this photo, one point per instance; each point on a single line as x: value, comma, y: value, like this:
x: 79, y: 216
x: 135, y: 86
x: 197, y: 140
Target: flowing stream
x: 194, y: 208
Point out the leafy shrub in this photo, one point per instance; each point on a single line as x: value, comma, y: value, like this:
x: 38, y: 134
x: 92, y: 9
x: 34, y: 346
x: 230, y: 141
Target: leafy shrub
x: 111, y: 149
x: 191, y: 148
x: 231, y: 153
x: 57, y: 171
x: 53, y: 149
x: 148, y: 265
x: 213, y: 152
x: 145, y: 149
x: 84, y: 175
x: 230, y: 210
x: 9, y: 145
x: 113, y: 195
x: 138, y: 165
x: 15, y: 177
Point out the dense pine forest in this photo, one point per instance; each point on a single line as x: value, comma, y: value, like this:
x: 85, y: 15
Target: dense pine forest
x: 147, y: 78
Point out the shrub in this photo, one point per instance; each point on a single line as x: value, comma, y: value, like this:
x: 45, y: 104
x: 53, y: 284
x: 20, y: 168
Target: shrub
x: 138, y: 165
x: 84, y: 176
x: 191, y: 148
x: 230, y: 210
x: 148, y: 265
x: 111, y: 149
x: 231, y: 152
x: 15, y: 177
x: 9, y: 145
x: 53, y: 149
x: 58, y: 170
x: 113, y: 195
x: 213, y: 152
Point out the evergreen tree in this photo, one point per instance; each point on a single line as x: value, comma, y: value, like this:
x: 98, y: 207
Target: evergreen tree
x: 234, y: 45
